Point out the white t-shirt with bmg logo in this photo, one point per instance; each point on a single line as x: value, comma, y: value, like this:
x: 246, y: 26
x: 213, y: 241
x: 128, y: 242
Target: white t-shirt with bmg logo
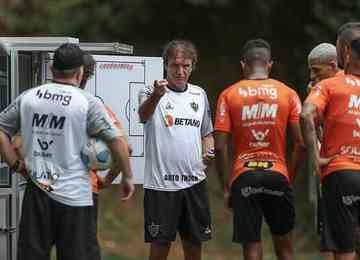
x: 55, y: 121
x: 173, y: 137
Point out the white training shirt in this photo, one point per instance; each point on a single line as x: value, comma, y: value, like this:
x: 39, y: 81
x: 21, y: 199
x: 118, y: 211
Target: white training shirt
x: 55, y: 121
x: 173, y: 136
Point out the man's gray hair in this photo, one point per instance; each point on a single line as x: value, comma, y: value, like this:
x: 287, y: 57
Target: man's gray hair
x: 323, y: 53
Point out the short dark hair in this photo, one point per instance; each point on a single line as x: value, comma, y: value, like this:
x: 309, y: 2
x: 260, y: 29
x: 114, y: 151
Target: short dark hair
x: 355, y: 46
x: 68, y: 56
x: 348, y: 31
x: 89, y: 69
x: 89, y: 66
x: 185, y: 46
x: 256, y: 49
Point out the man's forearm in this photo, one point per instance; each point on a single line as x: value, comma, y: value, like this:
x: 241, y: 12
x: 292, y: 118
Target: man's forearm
x: 207, y: 143
x: 296, y: 158
x: 222, y: 157
x: 148, y: 107
x: 7, y: 151
x: 222, y: 167
x: 120, y: 155
x: 309, y: 132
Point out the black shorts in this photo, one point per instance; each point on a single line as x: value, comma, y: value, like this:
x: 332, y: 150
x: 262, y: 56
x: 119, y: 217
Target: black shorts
x: 95, y: 208
x: 257, y: 194
x: 46, y: 222
x: 186, y: 211
x: 341, y: 199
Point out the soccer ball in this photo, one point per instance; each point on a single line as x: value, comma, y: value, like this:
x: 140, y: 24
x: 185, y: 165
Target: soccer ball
x: 96, y: 155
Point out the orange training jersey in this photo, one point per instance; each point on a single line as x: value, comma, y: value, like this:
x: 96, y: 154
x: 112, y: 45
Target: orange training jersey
x: 339, y: 73
x: 116, y: 122
x: 338, y: 99
x: 256, y: 113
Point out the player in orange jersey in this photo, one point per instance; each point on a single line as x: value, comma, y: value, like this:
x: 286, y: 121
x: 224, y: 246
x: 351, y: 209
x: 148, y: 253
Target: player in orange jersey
x: 257, y: 112
x: 337, y: 101
x: 99, y: 182
x: 322, y: 62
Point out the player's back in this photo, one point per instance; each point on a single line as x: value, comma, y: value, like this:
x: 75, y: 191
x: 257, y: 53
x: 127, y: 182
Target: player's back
x: 257, y: 113
x: 54, y: 127
x: 339, y: 100
x: 55, y: 124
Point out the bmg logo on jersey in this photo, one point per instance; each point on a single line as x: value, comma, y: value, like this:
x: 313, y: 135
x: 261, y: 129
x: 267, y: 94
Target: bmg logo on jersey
x: 263, y: 90
x: 352, y: 82
x: 51, y: 121
x: 56, y: 97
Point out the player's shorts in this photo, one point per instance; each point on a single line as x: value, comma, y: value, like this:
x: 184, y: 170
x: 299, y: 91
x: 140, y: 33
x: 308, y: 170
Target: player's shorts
x: 185, y: 211
x: 257, y: 194
x: 95, y: 207
x: 46, y: 222
x: 341, y: 199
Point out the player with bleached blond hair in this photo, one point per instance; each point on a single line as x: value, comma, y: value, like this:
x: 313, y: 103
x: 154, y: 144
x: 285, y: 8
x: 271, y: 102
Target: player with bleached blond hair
x: 322, y: 62
x: 335, y: 102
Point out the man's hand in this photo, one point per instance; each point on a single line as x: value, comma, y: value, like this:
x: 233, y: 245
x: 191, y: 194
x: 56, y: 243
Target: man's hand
x: 103, y: 182
x: 208, y: 157
x: 310, y: 85
x: 19, y: 167
x: 322, y: 162
x: 22, y: 168
x: 148, y: 105
x: 160, y: 88
x: 128, y: 188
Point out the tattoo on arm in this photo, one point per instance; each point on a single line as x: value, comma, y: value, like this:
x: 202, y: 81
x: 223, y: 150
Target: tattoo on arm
x: 309, y: 132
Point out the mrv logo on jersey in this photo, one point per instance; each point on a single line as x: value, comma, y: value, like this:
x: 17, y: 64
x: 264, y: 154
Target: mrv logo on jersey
x: 259, y: 111
x: 354, y: 105
x: 48, y: 121
x: 56, y: 97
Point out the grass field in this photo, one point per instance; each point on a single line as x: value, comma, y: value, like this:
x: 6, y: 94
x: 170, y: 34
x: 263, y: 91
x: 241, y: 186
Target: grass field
x: 121, y: 228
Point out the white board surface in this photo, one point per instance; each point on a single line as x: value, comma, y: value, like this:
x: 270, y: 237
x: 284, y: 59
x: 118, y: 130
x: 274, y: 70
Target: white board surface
x: 117, y: 82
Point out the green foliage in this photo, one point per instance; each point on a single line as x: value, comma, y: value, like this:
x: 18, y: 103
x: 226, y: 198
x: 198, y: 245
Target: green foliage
x: 219, y: 28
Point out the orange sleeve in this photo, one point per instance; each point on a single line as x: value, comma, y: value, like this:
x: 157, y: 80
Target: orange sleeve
x: 94, y: 177
x: 295, y: 107
x: 223, y: 117
x: 94, y: 181
x: 319, y: 96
